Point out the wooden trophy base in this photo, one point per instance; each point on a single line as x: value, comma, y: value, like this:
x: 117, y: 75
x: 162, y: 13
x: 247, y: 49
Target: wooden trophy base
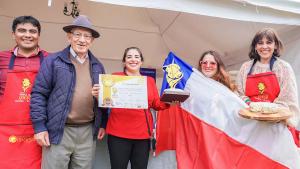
x: 171, y: 95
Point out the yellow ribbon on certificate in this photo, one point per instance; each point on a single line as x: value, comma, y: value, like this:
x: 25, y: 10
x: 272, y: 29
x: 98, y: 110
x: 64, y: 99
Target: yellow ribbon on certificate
x: 107, y: 82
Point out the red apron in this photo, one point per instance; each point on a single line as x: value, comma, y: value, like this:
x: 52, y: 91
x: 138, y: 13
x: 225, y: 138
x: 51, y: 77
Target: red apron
x: 18, y: 149
x: 264, y: 87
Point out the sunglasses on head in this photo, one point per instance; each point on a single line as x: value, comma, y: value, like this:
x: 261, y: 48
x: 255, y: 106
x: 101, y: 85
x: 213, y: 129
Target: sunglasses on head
x: 206, y: 63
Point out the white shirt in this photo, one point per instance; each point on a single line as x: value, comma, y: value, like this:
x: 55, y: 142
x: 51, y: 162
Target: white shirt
x: 80, y: 60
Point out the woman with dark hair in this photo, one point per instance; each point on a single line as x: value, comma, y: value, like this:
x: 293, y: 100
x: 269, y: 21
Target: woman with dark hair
x: 266, y: 78
x: 129, y: 130
x: 211, y: 65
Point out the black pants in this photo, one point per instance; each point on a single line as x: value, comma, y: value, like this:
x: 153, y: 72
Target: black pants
x: 122, y: 150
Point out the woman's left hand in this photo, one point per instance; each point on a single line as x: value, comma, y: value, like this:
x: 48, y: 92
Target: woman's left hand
x: 101, y: 134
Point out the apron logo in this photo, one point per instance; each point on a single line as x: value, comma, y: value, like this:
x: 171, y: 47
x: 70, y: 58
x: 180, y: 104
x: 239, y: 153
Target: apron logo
x: 25, y: 84
x: 14, y: 139
x: 24, y: 96
x: 261, y: 87
x: 174, y: 75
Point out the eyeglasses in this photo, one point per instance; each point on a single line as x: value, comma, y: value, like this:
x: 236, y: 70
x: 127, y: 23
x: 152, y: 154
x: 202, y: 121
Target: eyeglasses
x: 77, y: 35
x: 207, y: 63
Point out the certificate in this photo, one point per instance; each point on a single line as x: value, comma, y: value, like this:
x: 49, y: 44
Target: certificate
x: 123, y: 91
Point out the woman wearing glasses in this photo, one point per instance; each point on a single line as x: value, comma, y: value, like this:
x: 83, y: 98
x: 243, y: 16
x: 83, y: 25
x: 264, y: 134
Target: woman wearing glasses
x: 211, y: 65
x: 266, y: 78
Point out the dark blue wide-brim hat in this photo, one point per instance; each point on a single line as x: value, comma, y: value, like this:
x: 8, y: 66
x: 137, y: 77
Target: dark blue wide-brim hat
x: 82, y: 21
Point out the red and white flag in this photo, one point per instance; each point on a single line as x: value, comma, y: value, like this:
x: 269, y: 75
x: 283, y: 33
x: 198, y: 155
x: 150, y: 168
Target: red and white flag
x: 207, y: 132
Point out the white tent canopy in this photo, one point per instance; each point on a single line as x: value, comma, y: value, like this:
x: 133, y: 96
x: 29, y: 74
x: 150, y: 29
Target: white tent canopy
x: 283, y: 5
x: 191, y: 27
x: 243, y: 10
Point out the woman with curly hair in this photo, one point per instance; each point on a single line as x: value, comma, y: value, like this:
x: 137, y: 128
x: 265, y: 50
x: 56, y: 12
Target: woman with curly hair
x: 211, y: 65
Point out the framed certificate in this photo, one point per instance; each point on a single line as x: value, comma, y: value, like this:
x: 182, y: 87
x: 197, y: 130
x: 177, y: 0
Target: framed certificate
x: 123, y: 91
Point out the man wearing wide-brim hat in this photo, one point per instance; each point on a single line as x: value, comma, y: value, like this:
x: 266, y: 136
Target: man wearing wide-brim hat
x: 64, y: 114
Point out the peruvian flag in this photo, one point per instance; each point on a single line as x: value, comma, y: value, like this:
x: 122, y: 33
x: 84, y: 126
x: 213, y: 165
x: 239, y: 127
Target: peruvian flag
x: 207, y: 132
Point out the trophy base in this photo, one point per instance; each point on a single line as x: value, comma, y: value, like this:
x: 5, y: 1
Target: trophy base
x: 171, y: 95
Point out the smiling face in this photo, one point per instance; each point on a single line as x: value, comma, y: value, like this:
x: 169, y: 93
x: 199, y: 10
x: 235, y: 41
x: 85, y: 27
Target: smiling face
x: 81, y: 40
x: 26, y: 36
x: 265, y: 45
x: 133, y: 62
x: 265, y: 49
x: 209, y: 65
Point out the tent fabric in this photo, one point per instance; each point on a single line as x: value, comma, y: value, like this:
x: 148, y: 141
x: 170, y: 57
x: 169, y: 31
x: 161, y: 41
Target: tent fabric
x: 283, y: 5
x: 237, y: 10
x: 209, y: 133
x: 155, y: 31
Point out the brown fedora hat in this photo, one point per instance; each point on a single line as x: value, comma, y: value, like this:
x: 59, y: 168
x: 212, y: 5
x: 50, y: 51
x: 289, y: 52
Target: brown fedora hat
x: 82, y: 21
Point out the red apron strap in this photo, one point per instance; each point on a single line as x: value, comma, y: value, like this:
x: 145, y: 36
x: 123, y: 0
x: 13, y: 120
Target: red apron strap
x: 272, y: 61
x: 13, y: 58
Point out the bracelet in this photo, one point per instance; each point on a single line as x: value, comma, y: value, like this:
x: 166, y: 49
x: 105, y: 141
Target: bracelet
x: 247, y: 101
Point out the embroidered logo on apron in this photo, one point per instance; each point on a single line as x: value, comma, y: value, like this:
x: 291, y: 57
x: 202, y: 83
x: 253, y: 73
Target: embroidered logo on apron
x: 261, y: 87
x: 14, y: 139
x: 24, y: 96
x: 26, y: 84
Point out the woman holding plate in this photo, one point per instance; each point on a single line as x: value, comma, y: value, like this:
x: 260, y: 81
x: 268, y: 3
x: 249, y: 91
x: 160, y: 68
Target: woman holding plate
x: 266, y: 78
